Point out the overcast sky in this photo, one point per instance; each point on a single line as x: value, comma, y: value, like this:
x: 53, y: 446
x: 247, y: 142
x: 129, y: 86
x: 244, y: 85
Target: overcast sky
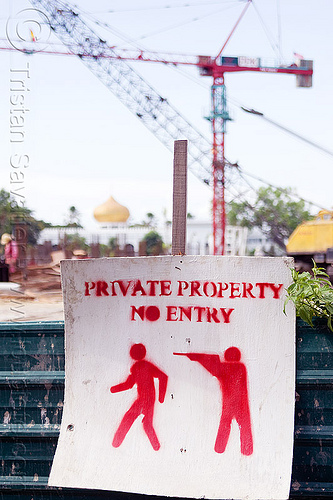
x: 81, y: 144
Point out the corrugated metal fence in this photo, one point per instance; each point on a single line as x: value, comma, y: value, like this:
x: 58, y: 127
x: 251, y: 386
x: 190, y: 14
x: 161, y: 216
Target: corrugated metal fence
x: 31, y: 399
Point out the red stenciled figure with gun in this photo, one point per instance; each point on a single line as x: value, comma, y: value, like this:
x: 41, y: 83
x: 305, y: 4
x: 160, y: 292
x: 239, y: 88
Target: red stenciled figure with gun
x: 232, y: 376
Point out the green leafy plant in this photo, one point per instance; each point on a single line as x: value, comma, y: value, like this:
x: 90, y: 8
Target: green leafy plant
x: 312, y: 295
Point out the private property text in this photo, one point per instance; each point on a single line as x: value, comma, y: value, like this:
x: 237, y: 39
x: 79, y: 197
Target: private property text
x: 185, y: 289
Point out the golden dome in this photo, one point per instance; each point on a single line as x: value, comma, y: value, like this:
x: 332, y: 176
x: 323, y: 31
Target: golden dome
x: 111, y: 211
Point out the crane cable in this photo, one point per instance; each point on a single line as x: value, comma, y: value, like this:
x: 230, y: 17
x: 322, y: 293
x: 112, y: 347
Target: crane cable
x: 279, y: 29
x: 179, y: 25
x: 285, y: 129
x: 133, y: 41
x: 275, y: 46
x: 163, y: 7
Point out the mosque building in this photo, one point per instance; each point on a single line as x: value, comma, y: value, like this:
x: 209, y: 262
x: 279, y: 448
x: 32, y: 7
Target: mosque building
x: 112, y: 222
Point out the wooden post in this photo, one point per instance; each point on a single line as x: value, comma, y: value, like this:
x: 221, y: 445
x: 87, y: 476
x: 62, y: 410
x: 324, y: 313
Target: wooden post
x: 179, y: 198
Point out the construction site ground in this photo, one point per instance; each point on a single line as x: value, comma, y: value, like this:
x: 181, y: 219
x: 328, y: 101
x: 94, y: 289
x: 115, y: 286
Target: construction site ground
x: 33, y: 296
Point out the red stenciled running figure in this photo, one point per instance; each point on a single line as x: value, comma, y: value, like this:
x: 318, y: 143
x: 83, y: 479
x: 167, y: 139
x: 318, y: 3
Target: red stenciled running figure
x: 142, y: 374
x: 231, y: 373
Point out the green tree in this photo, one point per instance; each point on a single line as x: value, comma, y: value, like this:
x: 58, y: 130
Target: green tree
x: 11, y: 213
x: 75, y: 242
x: 150, y: 220
x: 275, y: 212
x: 104, y: 250
x: 113, y: 246
x: 154, y: 243
x: 73, y: 217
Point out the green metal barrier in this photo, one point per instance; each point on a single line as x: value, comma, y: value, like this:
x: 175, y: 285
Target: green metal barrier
x: 31, y: 403
x: 313, y: 451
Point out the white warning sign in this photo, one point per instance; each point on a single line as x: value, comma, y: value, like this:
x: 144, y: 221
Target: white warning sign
x: 180, y: 377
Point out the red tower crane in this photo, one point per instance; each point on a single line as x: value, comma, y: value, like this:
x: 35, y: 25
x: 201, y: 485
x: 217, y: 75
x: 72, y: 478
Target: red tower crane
x: 110, y: 66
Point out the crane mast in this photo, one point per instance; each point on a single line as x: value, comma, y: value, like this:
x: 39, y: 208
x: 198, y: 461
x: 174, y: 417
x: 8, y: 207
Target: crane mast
x: 110, y: 65
x: 218, y: 118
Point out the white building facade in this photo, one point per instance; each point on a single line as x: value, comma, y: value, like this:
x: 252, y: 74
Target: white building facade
x: 199, y: 236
